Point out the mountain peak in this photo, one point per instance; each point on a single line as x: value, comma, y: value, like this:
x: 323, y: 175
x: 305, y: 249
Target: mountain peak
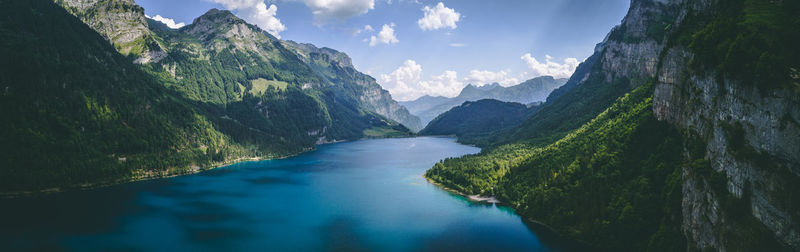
x: 222, y: 24
x: 217, y: 16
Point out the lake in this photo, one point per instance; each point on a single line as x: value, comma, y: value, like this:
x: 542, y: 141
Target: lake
x: 363, y: 195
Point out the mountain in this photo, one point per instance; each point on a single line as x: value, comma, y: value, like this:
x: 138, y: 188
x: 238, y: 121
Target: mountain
x: 231, y: 42
x: 121, y: 21
x: 679, y: 133
x: 478, y: 118
x: 530, y: 91
x: 337, y: 68
x: 76, y: 112
x: 83, y: 108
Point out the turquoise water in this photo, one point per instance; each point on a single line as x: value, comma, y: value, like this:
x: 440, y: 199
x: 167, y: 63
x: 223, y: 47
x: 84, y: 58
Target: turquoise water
x: 356, y: 196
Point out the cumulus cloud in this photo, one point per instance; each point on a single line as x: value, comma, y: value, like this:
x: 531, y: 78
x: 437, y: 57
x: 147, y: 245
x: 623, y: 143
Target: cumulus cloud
x: 457, y: 45
x: 167, y: 21
x: 256, y: 12
x: 438, y: 17
x: 405, y: 82
x: 481, y: 77
x: 385, y: 36
x: 326, y: 10
x: 550, y: 67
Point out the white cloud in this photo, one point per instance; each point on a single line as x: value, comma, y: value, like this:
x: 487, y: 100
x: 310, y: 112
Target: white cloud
x: 167, y: 21
x: 367, y: 28
x: 438, y: 17
x: 457, y: 45
x: 385, y: 36
x: 481, y: 77
x: 402, y: 83
x: 256, y: 12
x: 326, y: 10
x: 550, y: 67
x: 405, y: 82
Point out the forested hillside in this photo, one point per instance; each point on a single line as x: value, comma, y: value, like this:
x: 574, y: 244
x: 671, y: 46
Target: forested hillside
x: 76, y: 111
x: 665, y: 138
x: 80, y: 113
x: 478, y: 118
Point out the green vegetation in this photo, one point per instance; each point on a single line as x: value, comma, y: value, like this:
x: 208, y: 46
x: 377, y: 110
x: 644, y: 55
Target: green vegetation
x: 383, y: 132
x: 76, y: 112
x: 570, y: 111
x: 260, y: 85
x: 532, y: 91
x: 615, y: 178
x: 754, y: 41
x: 479, y: 118
x: 349, y: 85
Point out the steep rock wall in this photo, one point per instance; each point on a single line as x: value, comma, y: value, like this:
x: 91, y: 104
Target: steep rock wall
x: 751, y: 137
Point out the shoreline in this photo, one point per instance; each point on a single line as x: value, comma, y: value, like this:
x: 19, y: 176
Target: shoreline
x: 474, y: 198
x: 193, y: 169
x: 103, y: 184
x: 190, y: 171
x: 561, y: 238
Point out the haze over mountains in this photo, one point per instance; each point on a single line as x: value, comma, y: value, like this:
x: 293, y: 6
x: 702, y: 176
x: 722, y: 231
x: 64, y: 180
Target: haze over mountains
x: 530, y: 91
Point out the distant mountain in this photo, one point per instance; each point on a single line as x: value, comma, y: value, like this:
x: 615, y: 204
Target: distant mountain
x: 530, y: 91
x: 473, y: 119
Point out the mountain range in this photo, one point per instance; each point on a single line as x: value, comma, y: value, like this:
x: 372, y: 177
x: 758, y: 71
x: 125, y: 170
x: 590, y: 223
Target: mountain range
x: 680, y: 132
x: 531, y: 91
x: 96, y: 93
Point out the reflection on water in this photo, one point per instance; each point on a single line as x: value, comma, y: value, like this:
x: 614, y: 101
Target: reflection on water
x: 355, y: 196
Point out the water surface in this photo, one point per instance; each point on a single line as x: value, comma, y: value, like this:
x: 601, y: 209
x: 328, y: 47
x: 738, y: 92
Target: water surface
x: 355, y: 196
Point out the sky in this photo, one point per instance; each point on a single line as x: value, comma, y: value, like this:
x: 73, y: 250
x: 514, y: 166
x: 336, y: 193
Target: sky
x: 420, y: 47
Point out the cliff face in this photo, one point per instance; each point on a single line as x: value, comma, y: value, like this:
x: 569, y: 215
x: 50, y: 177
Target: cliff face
x: 123, y: 23
x: 751, y: 136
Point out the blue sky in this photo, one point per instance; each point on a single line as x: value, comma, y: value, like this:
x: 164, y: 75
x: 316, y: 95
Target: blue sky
x: 430, y: 47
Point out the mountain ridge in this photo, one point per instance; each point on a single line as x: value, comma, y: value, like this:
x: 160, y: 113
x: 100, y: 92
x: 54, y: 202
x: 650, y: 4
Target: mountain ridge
x: 478, y: 118
x: 530, y: 91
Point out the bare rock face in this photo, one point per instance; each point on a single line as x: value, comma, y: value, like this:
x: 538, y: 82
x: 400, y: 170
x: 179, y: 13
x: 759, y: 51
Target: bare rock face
x: 219, y: 29
x: 631, y: 48
x: 339, y: 69
x: 751, y: 137
x: 123, y: 23
x: 721, y: 113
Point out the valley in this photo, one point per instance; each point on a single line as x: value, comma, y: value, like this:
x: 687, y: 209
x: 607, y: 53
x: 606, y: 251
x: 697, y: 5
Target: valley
x: 678, y: 131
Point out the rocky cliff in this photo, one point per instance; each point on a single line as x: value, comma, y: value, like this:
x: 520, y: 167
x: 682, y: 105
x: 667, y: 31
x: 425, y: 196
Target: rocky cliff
x: 337, y: 68
x: 751, y: 135
x: 123, y: 23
